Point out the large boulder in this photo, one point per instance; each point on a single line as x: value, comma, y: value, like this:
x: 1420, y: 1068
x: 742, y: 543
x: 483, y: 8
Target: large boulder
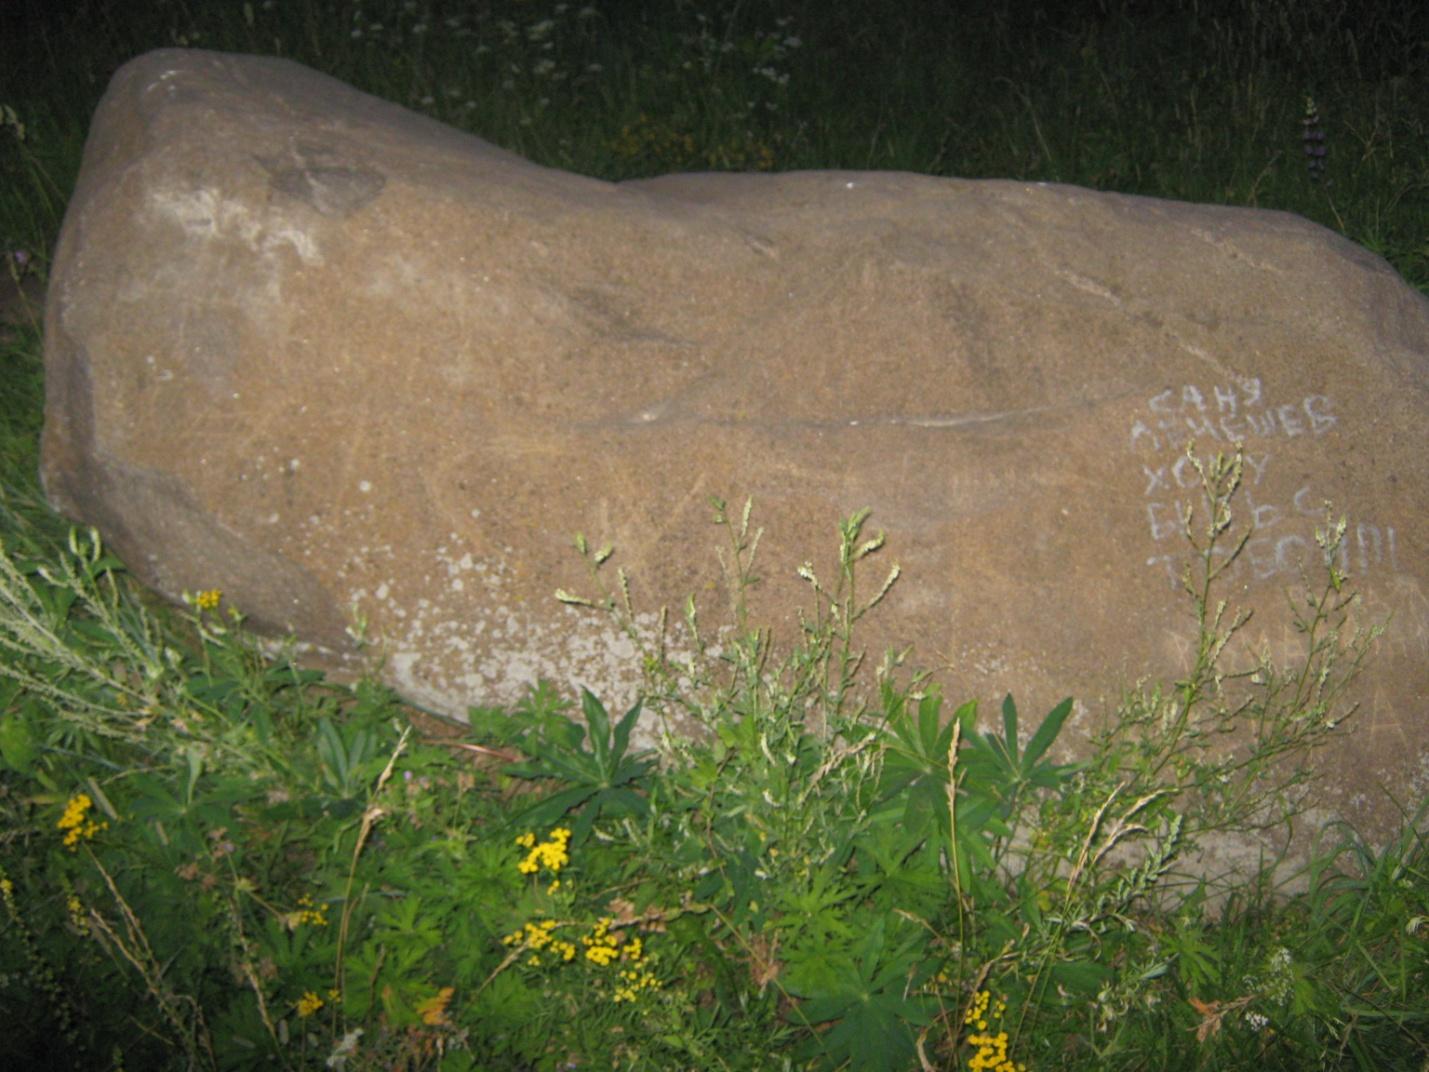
x: 327, y: 355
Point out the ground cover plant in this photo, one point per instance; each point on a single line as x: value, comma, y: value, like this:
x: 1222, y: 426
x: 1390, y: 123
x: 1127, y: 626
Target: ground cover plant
x: 212, y: 858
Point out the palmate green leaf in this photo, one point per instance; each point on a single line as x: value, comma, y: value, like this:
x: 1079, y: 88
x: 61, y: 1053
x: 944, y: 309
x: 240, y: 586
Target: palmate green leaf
x: 912, y: 790
x: 590, y: 803
x: 343, y: 754
x: 1197, y: 962
x: 922, y: 748
x: 623, y: 728
x: 566, y: 766
x: 608, y: 747
x: 1009, y: 731
x: 994, y: 766
x: 919, y: 884
x: 601, y: 779
x: 1045, y: 735
x: 978, y: 824
x: 551, y: 809
x: 599, y: 723
x: 812, y: 912
x: 870, y: 999
x: 557, y: 751
x: 935, y: 736
x: 875, y: 1034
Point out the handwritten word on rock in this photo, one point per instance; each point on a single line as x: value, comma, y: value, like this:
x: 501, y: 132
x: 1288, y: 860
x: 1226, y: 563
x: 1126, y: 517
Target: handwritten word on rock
x: 1230, y: 415
x: 1218, y: 418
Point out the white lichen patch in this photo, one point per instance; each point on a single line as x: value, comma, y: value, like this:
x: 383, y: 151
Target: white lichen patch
x: 207, y: 214
x: 459, y: 635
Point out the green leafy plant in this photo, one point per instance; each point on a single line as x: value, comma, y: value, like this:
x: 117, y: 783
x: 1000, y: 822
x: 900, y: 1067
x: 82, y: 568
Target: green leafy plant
x: 600, y: 781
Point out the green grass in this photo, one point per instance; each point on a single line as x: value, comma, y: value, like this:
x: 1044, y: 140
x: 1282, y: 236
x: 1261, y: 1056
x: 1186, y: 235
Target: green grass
x: 211, y: 858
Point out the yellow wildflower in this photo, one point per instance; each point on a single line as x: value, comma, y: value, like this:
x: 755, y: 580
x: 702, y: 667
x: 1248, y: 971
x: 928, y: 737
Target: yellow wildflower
x: 75, y: 821
x: 600, y: 954
x: 991, y: 1055
x: 632, y: 983
x: 308, y: 1004
x: 551, y: 854
x: 307, y: 912
x: 601, y: 945
x: 77, y: 916
x: 208, y: 599
x: 534, y: 935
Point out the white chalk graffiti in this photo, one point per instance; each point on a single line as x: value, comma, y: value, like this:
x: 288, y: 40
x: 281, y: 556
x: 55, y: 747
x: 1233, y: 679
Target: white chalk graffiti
x: 1222, y: 418
x: 1235, y: 414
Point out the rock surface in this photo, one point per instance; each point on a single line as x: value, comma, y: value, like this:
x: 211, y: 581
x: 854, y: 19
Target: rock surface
x: 323, y: 353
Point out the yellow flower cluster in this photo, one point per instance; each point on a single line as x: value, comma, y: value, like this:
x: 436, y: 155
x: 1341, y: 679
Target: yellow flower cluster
x: 313, y: 915
x: 76, y: 824
x: 539, y: 937
x: 77, y: 916
x: 601, y: 947
x: 552, y: 855
x: 308, y: 1004
x: 208, y: 599
x: 632, y: 982
x: 991, y: 1052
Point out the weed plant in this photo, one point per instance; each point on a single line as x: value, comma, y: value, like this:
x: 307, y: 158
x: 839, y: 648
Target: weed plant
x: 212, y: 858
x: 215, y: 859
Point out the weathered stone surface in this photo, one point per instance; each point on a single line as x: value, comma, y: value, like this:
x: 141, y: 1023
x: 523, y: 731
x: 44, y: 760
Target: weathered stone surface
x: 319, y: 352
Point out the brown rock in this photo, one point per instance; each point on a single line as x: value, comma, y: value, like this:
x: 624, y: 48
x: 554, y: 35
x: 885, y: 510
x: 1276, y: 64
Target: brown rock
x: 322, y: 353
